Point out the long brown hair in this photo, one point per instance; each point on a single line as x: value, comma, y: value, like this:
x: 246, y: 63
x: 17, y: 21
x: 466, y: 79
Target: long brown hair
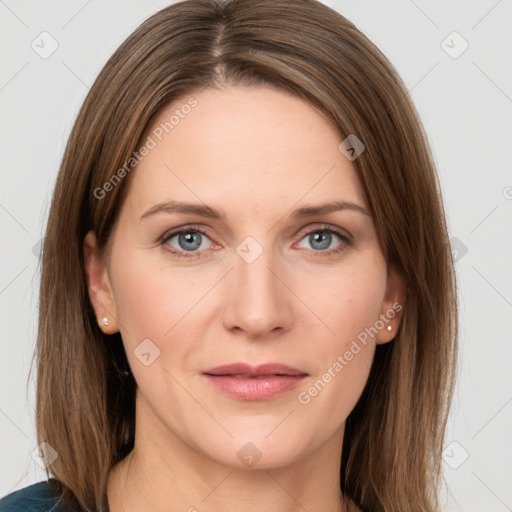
x: 85, y: 410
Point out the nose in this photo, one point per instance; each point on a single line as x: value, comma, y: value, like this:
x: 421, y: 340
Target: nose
x: 258, y: 301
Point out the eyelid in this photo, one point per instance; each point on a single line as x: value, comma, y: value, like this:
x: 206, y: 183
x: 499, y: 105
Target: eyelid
x: 344, y: 235
x: 305, y: 230
x: 182, y: 229
x: 320, y: 226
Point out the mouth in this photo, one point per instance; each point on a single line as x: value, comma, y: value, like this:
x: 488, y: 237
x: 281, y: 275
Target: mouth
x: 245, y: 370
x: 245, y: 382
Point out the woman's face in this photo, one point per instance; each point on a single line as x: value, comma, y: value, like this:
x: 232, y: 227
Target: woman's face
x: 262, y: 281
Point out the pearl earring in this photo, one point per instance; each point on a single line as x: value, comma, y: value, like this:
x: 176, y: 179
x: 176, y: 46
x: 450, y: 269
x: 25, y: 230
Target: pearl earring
x: 389, y: 327
x: 104, y: 321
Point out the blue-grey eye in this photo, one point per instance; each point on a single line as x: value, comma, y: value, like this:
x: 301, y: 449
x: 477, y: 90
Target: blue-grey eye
x: 189, y: 241
x: 322, y: 238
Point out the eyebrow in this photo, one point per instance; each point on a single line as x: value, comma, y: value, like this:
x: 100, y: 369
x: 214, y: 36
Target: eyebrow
x: 203, y: 210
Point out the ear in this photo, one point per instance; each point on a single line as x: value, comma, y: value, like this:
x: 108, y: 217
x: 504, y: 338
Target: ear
x: 392, y: 307
x: 98, y: 283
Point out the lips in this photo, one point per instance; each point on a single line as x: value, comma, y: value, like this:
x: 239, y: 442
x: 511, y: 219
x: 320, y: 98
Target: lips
x: 245, y: 370
x: 246, y: 382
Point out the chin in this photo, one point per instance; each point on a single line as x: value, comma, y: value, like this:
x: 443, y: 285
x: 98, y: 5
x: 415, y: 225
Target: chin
x: 256, y: 449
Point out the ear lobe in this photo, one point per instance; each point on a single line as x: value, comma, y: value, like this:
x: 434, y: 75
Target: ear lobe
x: 98, y: 284
x: 392, y: 306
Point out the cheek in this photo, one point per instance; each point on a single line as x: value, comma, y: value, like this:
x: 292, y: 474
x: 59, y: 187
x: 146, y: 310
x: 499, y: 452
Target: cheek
x: 161, y: 303
x: 349, y: 305
x: 149, y: 299
x: 347, y: 300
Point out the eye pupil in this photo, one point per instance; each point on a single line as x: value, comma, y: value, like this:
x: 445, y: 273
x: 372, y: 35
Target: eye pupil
x: 189, y: 241
x: 190, y: 238
x: 322, y: 237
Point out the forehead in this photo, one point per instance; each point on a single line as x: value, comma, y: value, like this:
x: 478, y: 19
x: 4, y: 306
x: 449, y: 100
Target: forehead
x: 250, y: 146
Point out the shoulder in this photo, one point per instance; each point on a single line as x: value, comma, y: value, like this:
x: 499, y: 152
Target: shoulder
x: 37, y: 497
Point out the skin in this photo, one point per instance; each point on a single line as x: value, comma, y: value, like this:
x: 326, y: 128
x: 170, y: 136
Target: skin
x: 256, y: 154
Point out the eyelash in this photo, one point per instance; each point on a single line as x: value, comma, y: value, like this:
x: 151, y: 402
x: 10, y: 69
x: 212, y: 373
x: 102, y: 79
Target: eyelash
x: 346, y: 240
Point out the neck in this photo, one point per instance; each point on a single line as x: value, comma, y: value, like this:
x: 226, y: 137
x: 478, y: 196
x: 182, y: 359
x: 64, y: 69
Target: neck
x: 163, y: 472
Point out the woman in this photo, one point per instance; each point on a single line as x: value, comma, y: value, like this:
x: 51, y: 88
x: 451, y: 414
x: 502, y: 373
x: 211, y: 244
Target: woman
x: 248, y: 296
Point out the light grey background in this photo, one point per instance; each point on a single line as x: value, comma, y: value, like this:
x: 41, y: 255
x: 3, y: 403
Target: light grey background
x: 466, y: 106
